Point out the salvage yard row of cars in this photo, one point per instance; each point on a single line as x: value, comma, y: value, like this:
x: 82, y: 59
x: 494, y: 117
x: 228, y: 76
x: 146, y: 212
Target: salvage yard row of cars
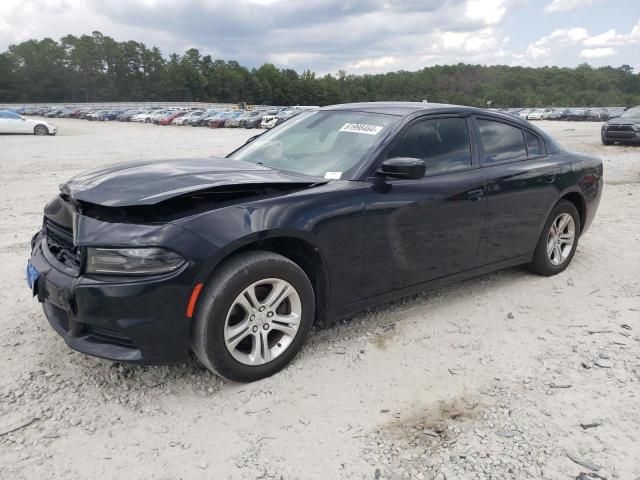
x: 569, y: 114
x: 195, y: 117
x: 621, y: 125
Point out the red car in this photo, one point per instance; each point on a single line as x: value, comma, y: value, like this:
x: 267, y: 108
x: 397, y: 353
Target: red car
x: 167, y: 120
x: 218, y: 122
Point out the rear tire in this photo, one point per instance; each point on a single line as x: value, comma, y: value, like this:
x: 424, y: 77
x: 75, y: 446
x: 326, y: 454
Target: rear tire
x: 558, y: 240
x: 244, y: 338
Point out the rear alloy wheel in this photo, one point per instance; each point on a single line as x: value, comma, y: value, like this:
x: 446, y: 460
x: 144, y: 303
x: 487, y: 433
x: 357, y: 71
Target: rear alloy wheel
x: 558, y: 241
x: 40, y: 130
x: 253, y: 316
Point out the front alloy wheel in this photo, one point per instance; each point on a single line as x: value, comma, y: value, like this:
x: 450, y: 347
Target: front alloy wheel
x: 262, y: 321
x: 41, y: 130
x: 253, y: 316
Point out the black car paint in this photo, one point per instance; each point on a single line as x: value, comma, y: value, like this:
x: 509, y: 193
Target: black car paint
x: 368, y: 239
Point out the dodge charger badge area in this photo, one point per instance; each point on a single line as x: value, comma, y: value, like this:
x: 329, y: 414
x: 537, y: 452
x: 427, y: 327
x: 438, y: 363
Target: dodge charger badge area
x: 333, y: 211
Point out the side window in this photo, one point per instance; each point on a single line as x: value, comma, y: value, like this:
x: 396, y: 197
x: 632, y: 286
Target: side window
x: 3, y: 115
x: 442, y: 143
x: 533, y: 144
x: 501, y: 141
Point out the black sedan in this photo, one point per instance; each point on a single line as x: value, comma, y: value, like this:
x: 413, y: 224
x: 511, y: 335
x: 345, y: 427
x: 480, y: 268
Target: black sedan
x: 336, y: 210
x: 624, y: 129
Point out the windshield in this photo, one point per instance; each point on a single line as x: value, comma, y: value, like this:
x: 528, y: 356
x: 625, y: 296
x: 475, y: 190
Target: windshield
x: 631, y: 113
x: 326, y: 144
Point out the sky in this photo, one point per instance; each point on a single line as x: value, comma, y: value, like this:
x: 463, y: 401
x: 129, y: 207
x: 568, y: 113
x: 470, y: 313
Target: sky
x: 366, y: 36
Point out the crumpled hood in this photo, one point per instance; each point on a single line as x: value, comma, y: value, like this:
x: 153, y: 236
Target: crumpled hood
x: 148, y: 183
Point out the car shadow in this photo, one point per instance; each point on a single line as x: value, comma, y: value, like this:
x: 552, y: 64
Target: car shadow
x: 192, y: 376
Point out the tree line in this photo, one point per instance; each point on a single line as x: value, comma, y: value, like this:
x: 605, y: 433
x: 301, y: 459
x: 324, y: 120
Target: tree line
x: 95, y: 68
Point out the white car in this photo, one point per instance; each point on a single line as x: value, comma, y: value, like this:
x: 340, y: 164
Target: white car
x: 11, y: 122
x: 523, y: 114
x: 146, y: 117
x: 184, y: 119
x: 539, y: 114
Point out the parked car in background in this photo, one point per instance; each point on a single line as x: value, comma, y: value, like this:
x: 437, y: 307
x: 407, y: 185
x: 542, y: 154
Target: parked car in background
x: 126, y: 115
x: 167, y: 120
x: 270, y: 121
x: 558, y: 114
x: 202, y: 119
x: 220, y: 120
x: 144, y: 117
x: 524, y: 113
x: 597, y: 115
x: 577, y: 114
x: 623, y: 129
x: 240, y: 120
x: 615, y: 112
x: 12, y: 123
x: 156, y: 117
x: 256, y: 121
x: 184, y: 120
x: 539, y: 114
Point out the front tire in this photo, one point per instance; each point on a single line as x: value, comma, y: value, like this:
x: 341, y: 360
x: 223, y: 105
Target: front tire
x: 558, y: 241
x: 40, y: 130
x: 253, y: 316
x: 606, y: 142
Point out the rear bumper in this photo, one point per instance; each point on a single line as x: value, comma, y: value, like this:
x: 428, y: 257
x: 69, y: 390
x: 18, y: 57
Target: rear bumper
x: 139, y: 321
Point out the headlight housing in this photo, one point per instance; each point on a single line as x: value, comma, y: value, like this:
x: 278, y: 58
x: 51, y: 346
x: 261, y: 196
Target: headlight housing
x: 132, y: 261
x: 636, y: 126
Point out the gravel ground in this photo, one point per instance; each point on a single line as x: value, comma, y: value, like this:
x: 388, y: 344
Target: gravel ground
x: 508, y: 375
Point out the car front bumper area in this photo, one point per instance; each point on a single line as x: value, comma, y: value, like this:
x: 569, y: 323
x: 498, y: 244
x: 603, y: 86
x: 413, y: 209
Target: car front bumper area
x: 137, y: 320
x: 621, y: 133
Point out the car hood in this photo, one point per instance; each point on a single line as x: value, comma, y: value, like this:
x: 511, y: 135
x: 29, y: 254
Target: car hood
x: 148, y: 183
x: 624, y: 121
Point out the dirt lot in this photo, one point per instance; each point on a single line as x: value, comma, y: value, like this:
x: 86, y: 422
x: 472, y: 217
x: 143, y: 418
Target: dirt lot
x: 508, y: 375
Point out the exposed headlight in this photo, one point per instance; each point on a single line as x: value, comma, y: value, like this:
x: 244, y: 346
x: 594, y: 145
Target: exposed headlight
x: 132, y: 261
x: 636, y: 126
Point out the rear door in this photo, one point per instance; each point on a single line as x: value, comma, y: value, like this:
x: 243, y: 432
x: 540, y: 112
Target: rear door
x: 421, y: 229
x: 522, y: 185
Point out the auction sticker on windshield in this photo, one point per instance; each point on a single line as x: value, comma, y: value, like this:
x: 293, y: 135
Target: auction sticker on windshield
x: 361, y: 128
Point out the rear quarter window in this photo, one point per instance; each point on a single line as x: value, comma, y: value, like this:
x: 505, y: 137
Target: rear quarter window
x: 533, y: 144
x: 500, y: 141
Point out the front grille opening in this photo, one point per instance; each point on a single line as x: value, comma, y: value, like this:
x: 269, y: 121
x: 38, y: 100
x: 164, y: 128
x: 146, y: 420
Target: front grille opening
x: 60, y: 244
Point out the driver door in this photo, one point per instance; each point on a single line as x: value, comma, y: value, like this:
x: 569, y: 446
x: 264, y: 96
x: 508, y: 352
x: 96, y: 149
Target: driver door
x: 420, y: 230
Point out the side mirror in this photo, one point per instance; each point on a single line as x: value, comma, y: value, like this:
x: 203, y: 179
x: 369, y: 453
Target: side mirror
x: 403, y: 167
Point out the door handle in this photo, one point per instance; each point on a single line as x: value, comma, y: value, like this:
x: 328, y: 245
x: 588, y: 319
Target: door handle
x: 549, y: 177
x: 475, y: 195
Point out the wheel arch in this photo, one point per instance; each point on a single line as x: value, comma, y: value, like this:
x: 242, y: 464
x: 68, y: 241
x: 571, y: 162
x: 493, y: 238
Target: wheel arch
x: 300, y: 251
x: 580, y: 203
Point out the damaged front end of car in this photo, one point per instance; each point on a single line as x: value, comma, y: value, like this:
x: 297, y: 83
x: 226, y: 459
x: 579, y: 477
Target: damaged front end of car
x: 114, y: 269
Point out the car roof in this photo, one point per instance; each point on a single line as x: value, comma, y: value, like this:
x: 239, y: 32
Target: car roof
x: 409, y: 108
x: 399, y: 108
